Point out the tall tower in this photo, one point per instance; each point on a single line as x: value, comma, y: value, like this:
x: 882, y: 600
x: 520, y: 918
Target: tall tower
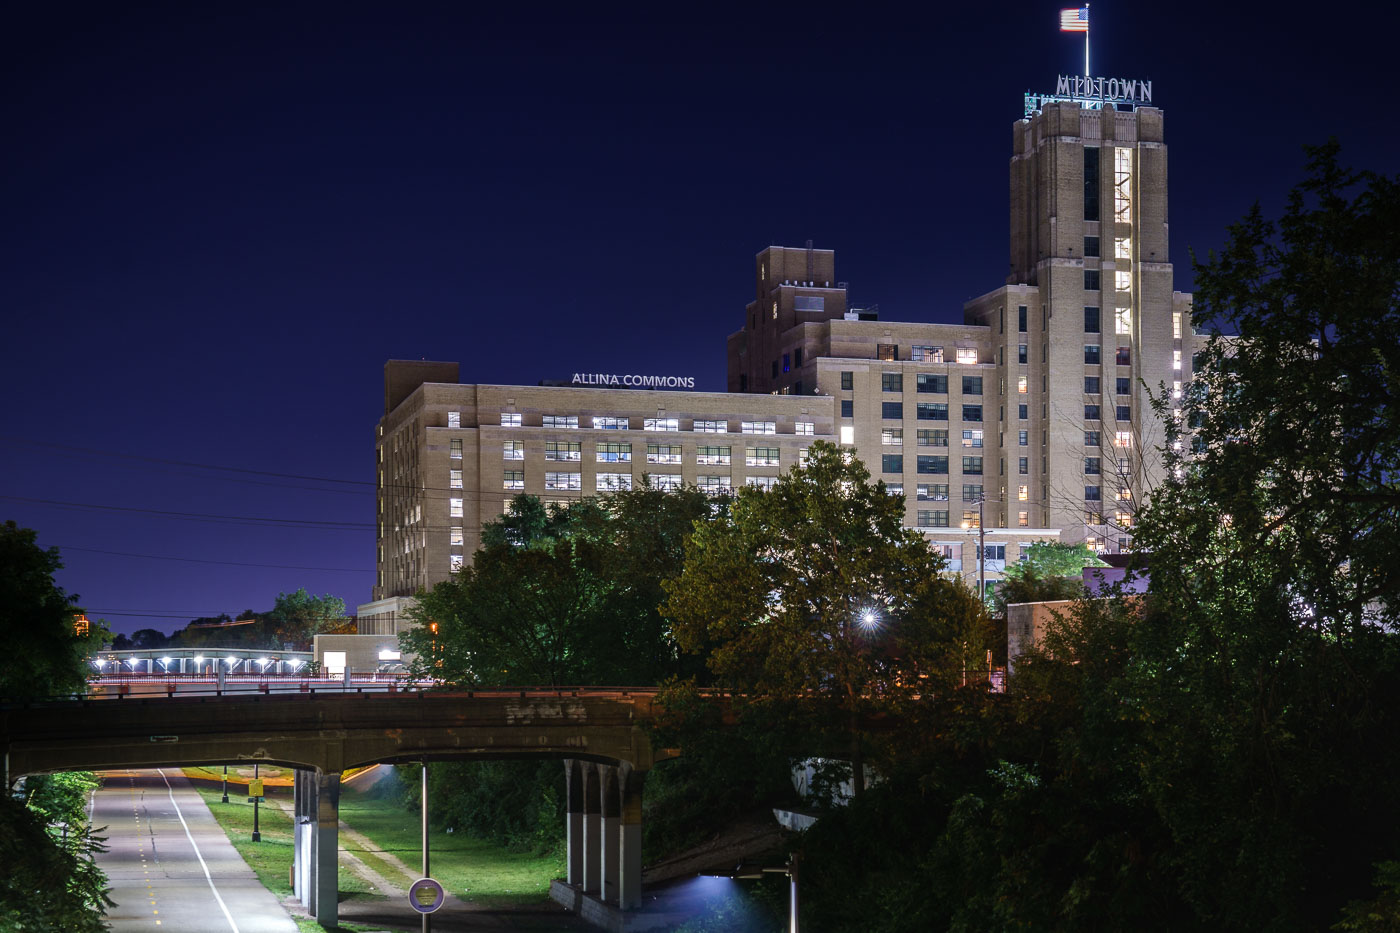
x: 1090, y: 265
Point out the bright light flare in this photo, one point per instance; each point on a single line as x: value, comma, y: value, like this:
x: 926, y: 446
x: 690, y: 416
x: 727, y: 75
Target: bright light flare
x: 869, y: 619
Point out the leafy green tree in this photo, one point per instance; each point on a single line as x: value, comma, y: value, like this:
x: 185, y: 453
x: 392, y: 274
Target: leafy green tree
x: 44, y: 654
x: 562, y: 596
x: 50, y: 882
x: 814, y: 591
x: 298, y: 617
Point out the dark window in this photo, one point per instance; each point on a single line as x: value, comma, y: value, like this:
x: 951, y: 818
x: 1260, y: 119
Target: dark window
x: 1125, y: 386
x: 932, y: 464
x: 787, y: 363
x: 1021, y: 318
x: 1091, y: 494
x: 1125, y: 356
x: 1091, y: 183
x: 1091, y: 320
x: 891, y: 463
x: 972, y: 413
x: 1091, y: 438
x: 1091, y: 245
x: 1091, y: 385
x: 892, y: 411
x: 993, y: 552
x: 972, y: 385
x: 1024, y: 465
x: 1091, y: 413
x: 972, y: 465
x: 743, y: 382
x: 797, y: 357
x: 1021, y: 353
x: 891, y: 382
x: 932, y: 411
x: 1023, y: 438
x: 1091, y: 465
x: 928, y: 382
x: 797, y: 387
x: 1124, y: 413
x: 775, y: 369
x: 886, y: 351
x: 847, y: 408
x: 1022, y: 411
x: 847, y: 380
x: 1091, y: 280
x: 1091, y: 354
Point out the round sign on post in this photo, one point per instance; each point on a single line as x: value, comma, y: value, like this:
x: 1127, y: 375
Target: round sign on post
x: 426, y: 895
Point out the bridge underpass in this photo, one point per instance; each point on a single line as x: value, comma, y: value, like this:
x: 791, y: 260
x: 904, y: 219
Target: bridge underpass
x: 597, y: 733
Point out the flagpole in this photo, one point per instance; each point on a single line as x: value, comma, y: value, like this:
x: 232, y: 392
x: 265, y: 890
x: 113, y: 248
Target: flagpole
x: 1086, y: 41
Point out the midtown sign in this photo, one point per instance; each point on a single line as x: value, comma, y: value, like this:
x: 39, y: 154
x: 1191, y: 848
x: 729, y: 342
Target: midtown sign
x: 633, y: 380
x: 1093, y: 93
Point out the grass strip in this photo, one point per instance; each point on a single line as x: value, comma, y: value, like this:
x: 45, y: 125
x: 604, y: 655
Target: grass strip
x: 471, y: 869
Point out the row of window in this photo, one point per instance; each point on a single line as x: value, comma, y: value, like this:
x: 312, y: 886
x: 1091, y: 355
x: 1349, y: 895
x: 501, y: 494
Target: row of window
x: 612, y: 482
x: 935, y: 383
x: 1122, y: 385
x: 1122, y: 318
x: 1123, y: 356
x: 621, y: 452
x: 889, y: 352
x: 1120, y: 413
x: 894, y: 463
x: 923, y: 411
x: 512, y: 419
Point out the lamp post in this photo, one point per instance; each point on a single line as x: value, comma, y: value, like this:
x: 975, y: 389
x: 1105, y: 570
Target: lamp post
x: 225, y: 784
x: 981, y: 550
x: 257, y: 836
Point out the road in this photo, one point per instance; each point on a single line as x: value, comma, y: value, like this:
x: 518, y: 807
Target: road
x: 170, y: 866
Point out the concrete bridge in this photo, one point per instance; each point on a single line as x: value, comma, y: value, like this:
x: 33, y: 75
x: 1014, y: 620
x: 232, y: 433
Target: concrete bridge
x: 597, y: 732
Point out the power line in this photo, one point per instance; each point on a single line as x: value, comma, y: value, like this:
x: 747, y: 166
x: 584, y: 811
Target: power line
x: 198, y: 516
x: 197, y: 560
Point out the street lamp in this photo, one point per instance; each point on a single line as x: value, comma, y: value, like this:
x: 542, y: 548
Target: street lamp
x: 869, y: 618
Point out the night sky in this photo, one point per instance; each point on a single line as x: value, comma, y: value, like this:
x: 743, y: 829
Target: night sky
x: 221, y: 220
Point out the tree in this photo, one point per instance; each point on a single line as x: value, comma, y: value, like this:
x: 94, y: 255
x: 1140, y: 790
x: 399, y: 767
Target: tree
x: 298, y: 617
x: 813, y: 592
x: 561, y: 596
x: 1050, y: 571
x: 45, y: 655
x: 50, y: 882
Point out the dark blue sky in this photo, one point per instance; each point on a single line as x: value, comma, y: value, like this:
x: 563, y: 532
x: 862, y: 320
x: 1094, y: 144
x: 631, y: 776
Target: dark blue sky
x: 221, y: 220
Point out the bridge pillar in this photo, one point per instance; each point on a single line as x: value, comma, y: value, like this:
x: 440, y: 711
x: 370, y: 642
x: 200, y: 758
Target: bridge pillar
x: 323, y: 829
x: 573, y: 828
x: 630, y: 839
x: 592, y: 829
x: 611, y: 800
x: 301, y: 835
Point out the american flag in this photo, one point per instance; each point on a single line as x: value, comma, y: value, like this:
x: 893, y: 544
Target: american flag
x: 1074, y: 20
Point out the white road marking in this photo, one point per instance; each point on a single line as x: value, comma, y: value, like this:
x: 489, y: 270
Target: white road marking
x: 190, y: 837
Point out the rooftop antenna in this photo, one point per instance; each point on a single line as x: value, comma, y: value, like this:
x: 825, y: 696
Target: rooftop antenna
x: 810, y: 277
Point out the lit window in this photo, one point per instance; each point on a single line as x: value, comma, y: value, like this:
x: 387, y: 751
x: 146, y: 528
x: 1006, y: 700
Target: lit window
x: 1176, y: 359
x: 711, y: 427
x: 1123, y: 280
x: 1176, y: 389
x: 1023, y: 519
x: 1021, y: 384
x: 1123, y: 320
x: 1023, y: 493
x: 666, y: 482
x: 609, y: 423
x: 935, y: 492
x: 888, y: 352
x: 614, y: 481
x: 454, y: 448
x: 971, y: 519
x: 662, y: 424
x: 758, y: 427
x: 775, y: 310
x: 892, y: 437
x: 1123, y: 519
x: 967, y: 355
x: 1093, y: 517
x: 614, y: 453
x: 455, y: 536
x: 454, y: 419
x: 712, y: 484
x: 712, y: 456
x: 563, y: 450
x: 561, y: 421
x: 454, y: 479
x: 663, y: 453
x: 1122, y: 248
x: 805, y: 428
x: 510, y: 419
x: 848, y: 434
x: 1125, y: 494
x: 1123, y: 438
x: 510, y: 450
x: 566, y: 481
x: 972, y: 439
x: 1176, y: 325
x: 761, y: 482
x: 761, y: 456
x: 455, y: 562
x: 1023, y: 438
x: 513, y: 479
x: 893, y: 489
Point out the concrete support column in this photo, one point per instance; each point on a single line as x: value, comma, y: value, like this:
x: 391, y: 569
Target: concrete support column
x: 573, y: 820
x: 301, y: 836
x: 592, y: 830
x: 630, y: 839
x: 610, y: 890
x: 325, y: 848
